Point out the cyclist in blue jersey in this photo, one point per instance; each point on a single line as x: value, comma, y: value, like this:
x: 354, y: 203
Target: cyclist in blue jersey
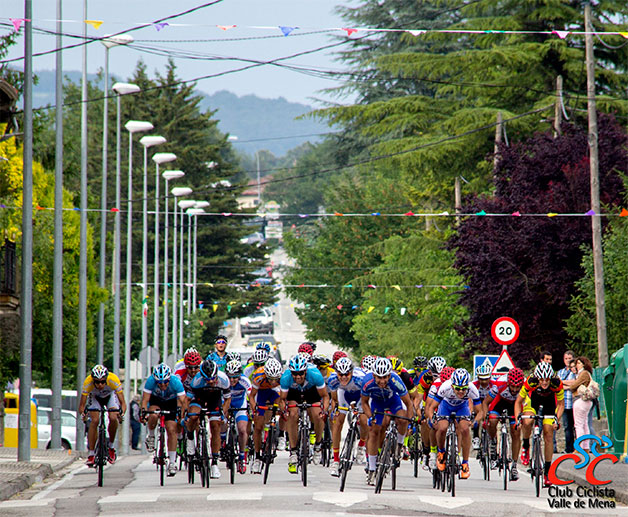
x: 387, y: 393
x: 345, y: 386
x: 164, y: 391
x: 303, y: 383
x: 240, y: 389
x: 219, y: 355
x: 210, y: 389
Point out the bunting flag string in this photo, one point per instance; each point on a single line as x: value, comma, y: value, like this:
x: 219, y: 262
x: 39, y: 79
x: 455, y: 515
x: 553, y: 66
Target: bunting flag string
x: 396, y: 287
x: 287, y: 30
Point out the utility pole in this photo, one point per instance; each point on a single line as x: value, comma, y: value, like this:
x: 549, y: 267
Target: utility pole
x: 499, y: 132
x: 458, y: 199
x: 558, y: 108
x: 596, y: 223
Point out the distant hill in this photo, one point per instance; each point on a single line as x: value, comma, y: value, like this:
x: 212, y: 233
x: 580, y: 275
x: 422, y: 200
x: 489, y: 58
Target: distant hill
x: 258, y: 123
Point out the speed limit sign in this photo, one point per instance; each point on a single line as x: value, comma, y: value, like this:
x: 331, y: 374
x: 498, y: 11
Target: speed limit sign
x: 505, y: 330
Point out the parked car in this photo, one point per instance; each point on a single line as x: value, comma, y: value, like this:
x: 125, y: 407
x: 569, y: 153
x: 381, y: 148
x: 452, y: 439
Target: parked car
x: 68, y: 428
x: 254, y: 340
x: 260, y: 322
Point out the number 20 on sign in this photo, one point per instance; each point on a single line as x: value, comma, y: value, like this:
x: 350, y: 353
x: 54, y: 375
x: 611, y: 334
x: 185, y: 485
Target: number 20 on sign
x: 505, y: 331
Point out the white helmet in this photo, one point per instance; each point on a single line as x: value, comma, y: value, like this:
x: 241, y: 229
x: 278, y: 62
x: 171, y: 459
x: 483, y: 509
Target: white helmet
x: 233, y: 368
x: 483, y: 371
x: 382, y: 367
x: 344, y: 366
x: 273, y: 368
x: 260, y: 356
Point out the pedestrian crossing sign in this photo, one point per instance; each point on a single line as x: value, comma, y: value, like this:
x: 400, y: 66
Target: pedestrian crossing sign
x: 483, y: 359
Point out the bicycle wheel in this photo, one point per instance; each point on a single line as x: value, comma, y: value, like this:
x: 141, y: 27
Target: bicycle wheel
x: 444, y: 474
x: 452, y: 464
x: 382, y: 465
x: 267, y: 454
x: 505, y: 464
x: 204, y: 460
x: 537, y: 466
x: 326, y: 446
x: 346, y: 457
x: 304, y: 448
x: 485, y: 452
x: 415, y: 451
x: 232, y: 453
x: 161, y: 458
x: 101, y: 457
x: 436, y: 478
x: 191, y: 467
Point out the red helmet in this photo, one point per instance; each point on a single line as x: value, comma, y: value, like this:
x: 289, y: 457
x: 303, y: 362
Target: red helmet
x: 446, y: 372
x: 305, y: 348
x: 192, y: 358
x: 337, y: 355
x: 515, y: 377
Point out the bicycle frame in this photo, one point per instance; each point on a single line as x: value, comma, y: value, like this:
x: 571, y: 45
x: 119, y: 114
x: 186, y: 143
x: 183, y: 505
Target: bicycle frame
x: 347, y: 454
x: 269, y: 445
x: 303, y: 450
x: 160, y: 456
x: 100, y: 451
x: 536, y: 468
x: 387, y: 459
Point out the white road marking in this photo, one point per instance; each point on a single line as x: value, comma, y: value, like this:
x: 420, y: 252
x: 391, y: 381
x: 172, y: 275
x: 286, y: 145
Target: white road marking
x: 57, y: 484
x: 27, y: 502
x: 238, y: 496
x: 446, y: 502
x: 344, y: 499
x: 133, y: 497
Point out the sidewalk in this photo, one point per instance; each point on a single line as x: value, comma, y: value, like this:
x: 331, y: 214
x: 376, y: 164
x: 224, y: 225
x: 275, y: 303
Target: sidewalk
x: 17, y: 476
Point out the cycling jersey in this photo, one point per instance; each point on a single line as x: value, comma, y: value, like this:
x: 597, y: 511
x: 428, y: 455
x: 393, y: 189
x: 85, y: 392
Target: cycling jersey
x: 447, y: 393
x: 221, y: 361
x: 536, y: 396
x: 424, y: 382
x: 354, y: 385
x: 313, y: 379
x: 240, y: 391
x: 200, y: 387
x: 483, y: 390
x: 395, y: 387
x: 261, y: 382
x: 173, y: 390
x: 112, y: 385
x: 250, y: 369
x: 407, y: 380
x: 185, y: 377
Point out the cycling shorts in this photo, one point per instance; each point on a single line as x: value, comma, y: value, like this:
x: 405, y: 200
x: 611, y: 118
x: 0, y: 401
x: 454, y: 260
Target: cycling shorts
x: 242, y: 415
x: 208, y: 405
x: 265, y: 397
x: 310, y: 395
x: 96, y: 403
x: 502, y: 404
x: 445, y: 409
x: 165, y: 405
x: 345, y: 398
x: 392, y: 405
x: 548, y: 409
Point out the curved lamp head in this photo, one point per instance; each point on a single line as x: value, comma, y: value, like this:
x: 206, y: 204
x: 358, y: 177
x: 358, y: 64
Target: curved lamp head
x: 194, y: 211
x: 186, y: 203
x: 201, y: 204
x: 118, y: 39
x: 124, y: 88
x: 135, y: 126
x: 172, y: 175
x: 181, y: 191
x: 160, y: 158
x: 150, y: 141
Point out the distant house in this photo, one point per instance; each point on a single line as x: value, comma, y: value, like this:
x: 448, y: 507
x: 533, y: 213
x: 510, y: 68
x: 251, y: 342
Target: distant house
x: 248, y: 198
x: 8, y: 98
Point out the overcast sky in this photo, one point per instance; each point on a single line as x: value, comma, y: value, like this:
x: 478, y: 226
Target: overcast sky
x: 265, y: 81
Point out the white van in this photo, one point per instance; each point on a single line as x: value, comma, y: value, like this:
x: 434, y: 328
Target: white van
x: 43, y: 398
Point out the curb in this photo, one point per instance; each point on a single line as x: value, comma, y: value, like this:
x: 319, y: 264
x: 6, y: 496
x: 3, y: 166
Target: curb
x: 23, y: 481
x: 621, y: 496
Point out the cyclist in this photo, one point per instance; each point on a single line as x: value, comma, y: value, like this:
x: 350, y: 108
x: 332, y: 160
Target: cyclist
x: 430, y: 380
x: 484, y: 384
x: 398, y: 368
x: 503, y: 395
x: 98, y: 392
x: 219, y: 355
x: 345, y: 385
x: 367, y: 363
x: 453, y: 397
x: 163, y: 391
x: 299, y: 384
x: 258, y: 360
x: 323, y: 363
x: 337, y: 355
x: 306, y: 348
x: 209, y: 390
x: 191, y: 364
x: 240, y: 389
x: 181, y: 362
x: 419, y: 366
x: 387, y: 393
x: 264, y: 392
x: 542, y: 388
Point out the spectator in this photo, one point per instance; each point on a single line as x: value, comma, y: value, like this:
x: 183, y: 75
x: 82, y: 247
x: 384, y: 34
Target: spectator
x: 566, y: 374
x: 546, y: 357
x: 581, y: 408
x: 136, y: 427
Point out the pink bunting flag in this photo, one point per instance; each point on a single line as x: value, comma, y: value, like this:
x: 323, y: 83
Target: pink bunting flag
x: 349, y: 31
x: 409, y: 213
x: 227, y: 214
x: 517, y: 214
x: 561, y: 34
x: 17, y: 22
x: 415, y: 32
x: 161, y: 25
x: 338, y: 307
x: 371, y: 286
x: 226, y: 27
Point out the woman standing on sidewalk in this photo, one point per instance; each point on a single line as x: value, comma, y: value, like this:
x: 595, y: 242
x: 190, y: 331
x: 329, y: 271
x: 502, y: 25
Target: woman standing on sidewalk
x: 581, y: 408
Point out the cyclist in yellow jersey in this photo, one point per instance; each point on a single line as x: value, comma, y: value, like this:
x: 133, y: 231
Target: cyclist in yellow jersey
x: 101, y: 389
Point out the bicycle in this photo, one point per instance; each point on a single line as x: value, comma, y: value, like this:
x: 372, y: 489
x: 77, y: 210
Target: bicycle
x: 416, y: 446
x: 452, y: 469
x: 484, y: 453
x: 232, y: 447
x: 160, y: 458
x: 347, y: 454
x: 303, y: 449
x: 201, y: 459
x: 101, y: 452
x: 326, y: 452
x: 269, y: 446
x: 388, y: 460
x: 536, y: 468
x: 503, y: 459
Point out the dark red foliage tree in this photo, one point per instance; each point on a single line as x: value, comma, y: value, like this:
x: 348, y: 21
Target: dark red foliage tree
x: 525, y: 267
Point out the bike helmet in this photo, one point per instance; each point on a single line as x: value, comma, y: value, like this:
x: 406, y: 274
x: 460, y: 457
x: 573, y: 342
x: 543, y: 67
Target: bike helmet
x: 260, y: 356
x: 420, y: 362
x: 483, y: 371
x: 192, y: 358
x: 233, y: 356
x: 188, y: 350
x: 382, y: 367
x: 436, y: 364
x: 344, y: 366
x: 368, y: 362
x: 446, y: 372
x: 99, y: 372
x: 297, y: 364
x: 311, y: 343
x: 321, y: 360
x: 220, y: 337
x: 515, y: 377
x: 544, y: 371
x: 263, y: 345
x: 209, y: 370
x: 337, y: 355
x: 233, y: 368
x: 397, y: 363
x: 305, y: 348
x: 460, y: 378
x: 162, y: 372
x: 273, y: 369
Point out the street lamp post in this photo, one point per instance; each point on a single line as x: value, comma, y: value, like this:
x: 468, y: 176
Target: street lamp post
x: 132, y: 126
x: 121, y: 89
x: 146, y: 141
x: 158, y: 158
x: 176, y: 192
x: 108, y: 42
x: 198, y: 209
x: 184, y: 204
x: 167, y: 175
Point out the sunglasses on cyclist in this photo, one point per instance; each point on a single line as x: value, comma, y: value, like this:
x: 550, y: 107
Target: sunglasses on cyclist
x: 234, y: 377
x: 99, y: 382
x: 298, y: 374
x: 461, y: 388
x: 193, y: 367
x: 221, y: 342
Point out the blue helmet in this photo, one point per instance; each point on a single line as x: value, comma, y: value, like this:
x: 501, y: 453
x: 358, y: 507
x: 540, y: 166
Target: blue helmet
x: 162, y: 372
x: 297, y: 364
x: 460, y: 378
x: 263, y: 345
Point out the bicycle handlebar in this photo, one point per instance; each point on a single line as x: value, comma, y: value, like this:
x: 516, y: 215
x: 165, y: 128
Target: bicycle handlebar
x: 394, y: 416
